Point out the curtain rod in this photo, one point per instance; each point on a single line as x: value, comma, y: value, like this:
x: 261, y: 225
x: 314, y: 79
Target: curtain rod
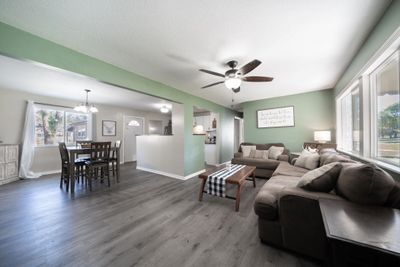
x: 53, y: 105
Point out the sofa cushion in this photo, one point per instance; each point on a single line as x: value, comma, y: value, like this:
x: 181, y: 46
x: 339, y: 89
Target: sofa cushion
x: 266, y: 202
x: 327, y: 158
x: 328, y: 150
x: 393, y: 200
x: 246, y: 150
x: 285, y: 168
x: 259, y: 154
x: 322, y: 179
x: 308, y: 160
x: 275, y: 152
x: 259, y: 163
x: 364, y: 184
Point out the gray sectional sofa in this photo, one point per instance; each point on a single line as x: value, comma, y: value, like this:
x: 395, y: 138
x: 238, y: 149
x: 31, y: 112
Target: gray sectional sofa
x: 264, y: 167
x: 290, y: 217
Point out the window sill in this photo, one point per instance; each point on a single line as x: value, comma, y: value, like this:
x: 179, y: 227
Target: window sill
x: 381, y: 164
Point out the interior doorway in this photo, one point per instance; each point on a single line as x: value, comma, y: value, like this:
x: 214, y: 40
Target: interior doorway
x: 133, y: 126
x: 238, y: 133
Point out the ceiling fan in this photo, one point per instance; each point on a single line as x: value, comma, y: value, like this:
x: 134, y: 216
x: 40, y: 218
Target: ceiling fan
x: 234, y: 77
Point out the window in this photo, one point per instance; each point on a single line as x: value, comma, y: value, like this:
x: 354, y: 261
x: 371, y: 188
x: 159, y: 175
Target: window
x: 368, y: 112
x: 53, y: 125
x: 350, y: 118
x: 385, y: 103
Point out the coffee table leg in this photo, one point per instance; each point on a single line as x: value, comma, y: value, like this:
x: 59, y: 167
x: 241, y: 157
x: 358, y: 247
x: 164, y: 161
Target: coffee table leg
x: 254, y: 179
x: 203, y: 183
x: 238, y: 197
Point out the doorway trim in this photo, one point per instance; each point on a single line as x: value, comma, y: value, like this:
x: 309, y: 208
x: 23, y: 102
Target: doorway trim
x: 124, y: 120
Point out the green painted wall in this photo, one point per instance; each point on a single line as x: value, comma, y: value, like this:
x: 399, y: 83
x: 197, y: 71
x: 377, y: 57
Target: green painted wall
x: 23, y: 45
x: 387, y: 25
x: 389, y: 22
x: 312, y: 111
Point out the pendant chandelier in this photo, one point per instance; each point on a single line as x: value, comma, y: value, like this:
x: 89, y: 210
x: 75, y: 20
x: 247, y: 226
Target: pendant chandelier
x: 85, y: 107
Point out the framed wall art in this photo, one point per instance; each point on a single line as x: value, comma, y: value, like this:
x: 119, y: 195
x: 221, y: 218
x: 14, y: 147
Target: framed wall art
x: 109, y: 128
x: 275, y: 117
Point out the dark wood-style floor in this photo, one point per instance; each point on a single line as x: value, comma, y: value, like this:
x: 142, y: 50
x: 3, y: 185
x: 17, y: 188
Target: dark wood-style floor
x: 145, y: 220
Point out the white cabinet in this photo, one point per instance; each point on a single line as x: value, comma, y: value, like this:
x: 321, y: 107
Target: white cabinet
x: 210, y: 154
x: 8, y: 163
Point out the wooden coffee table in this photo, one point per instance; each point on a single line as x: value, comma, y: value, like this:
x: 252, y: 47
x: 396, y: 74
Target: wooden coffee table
x: 238, y: 178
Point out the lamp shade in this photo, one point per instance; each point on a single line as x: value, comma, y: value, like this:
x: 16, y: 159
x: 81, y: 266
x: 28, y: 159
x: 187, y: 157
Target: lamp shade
x: 322, y: 136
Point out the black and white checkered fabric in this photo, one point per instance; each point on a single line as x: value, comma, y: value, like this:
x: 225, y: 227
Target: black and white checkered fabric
x: 216, y: 181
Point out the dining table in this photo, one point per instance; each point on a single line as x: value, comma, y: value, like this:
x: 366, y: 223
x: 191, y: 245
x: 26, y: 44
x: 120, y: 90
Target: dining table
x: 75, y: 151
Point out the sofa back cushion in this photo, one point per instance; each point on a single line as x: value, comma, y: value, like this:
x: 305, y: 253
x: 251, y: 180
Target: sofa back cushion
x: 327, y: 158
x: 260, y: 146
x: 275, y: 151
x: 364, y: 184
x: 246, y: 150
x: 259, y: 154
x: 307, y: 160
x: 322, y: 179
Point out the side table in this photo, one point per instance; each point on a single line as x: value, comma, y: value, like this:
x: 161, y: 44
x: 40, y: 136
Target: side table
x: 361, y: 235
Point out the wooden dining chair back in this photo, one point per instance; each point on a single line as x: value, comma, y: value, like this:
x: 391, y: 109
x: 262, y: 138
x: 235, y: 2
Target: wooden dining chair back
x: 64, y: 165
x: 98, y: 165
x: 114, y: 158
x: 100, y: 151
x: 84, y: 143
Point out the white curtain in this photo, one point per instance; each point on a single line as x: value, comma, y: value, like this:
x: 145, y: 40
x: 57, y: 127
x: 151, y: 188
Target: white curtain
x: 28, y: 144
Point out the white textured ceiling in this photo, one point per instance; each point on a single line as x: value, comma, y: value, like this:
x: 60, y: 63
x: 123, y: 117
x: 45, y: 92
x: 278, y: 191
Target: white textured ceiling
x: 304, y: 44
x: 32, y: 78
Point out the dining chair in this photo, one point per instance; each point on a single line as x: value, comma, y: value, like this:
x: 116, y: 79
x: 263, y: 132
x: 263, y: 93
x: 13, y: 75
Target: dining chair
x: 114, y: 158
x: 84, y: 143
x: 98, y: 165
x: 79, y: 166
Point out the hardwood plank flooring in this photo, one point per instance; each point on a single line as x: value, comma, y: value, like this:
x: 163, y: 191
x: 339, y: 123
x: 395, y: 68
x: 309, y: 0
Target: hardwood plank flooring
x: 145, y: 220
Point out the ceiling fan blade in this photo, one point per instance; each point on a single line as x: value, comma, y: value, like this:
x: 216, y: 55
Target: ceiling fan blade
x: 236, y: 90
x: 257, y: 79
x: 211, y: 84
x: 249, y: 66
x: 212, y: 73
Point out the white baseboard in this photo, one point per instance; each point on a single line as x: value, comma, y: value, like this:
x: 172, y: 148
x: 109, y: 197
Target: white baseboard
x: 194, y: 174
x: 172, y: 175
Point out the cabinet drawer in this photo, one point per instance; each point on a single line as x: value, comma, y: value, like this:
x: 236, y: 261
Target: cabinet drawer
x: 11, y: 153
x: 11, y: 169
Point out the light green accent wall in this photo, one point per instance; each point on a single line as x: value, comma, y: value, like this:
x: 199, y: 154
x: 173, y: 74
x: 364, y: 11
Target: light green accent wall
x: 387, y: 25
x: 389, y: 22
x: 23, y: 45
x: 312, y: 111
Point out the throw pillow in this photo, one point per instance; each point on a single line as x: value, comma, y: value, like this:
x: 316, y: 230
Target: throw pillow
x: 393, y: 200
x: 364, y: 184
x: 310, y: 149
x: 307, y: 160
x: 275, y: 152
x: 261, y: 154
x: 322, y: 179
x: 246, y: 150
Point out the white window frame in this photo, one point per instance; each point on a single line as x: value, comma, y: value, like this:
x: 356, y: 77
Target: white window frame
x: 368, y: 110
x: 373, y: 105
x: 64, y: 110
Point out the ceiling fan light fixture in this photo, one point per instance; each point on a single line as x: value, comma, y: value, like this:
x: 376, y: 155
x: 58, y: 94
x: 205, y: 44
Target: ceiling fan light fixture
x: 233, y: 83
